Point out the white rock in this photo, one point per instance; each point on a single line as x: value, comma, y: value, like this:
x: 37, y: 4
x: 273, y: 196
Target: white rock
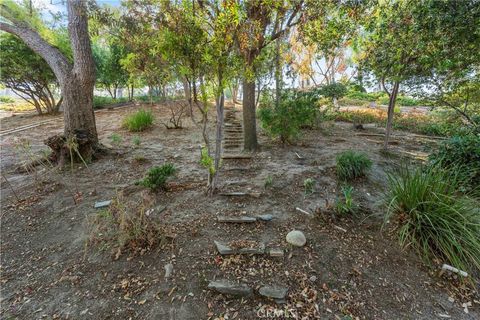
x: 296, y: 238
x: 168, y: 270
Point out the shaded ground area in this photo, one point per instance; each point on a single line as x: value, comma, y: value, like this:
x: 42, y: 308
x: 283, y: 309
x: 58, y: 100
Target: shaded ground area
x: 349, y: 267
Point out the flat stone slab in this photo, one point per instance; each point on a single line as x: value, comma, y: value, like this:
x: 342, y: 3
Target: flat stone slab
x: 230, y: 288
x: 239, y: 219
x: 265, y: 217
x: 236, y: 156
x: 273, y: 292
x: 225, y: 249
x: 102, y: 204
x: 241, y: 194
x: 275, y: 252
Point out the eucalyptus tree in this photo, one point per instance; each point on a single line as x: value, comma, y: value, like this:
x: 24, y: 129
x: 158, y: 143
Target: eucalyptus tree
x: 76, y: 78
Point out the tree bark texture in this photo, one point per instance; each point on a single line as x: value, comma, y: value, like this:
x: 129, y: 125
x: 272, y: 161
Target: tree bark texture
x: 390, y: 113
x: 249, y: 116
x: 76, y: 80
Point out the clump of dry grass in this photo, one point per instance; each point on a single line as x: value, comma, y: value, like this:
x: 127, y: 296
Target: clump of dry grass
x: 125, y: 226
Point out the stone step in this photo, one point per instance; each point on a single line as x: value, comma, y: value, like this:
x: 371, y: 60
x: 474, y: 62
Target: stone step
x: 236, y: 156
x: 241, y: 194
x: 244, y: 219
x: 226, y: 249
x: 236, y: 219
x: 276, y: 292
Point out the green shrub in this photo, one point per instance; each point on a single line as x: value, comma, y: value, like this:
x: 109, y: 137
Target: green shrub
x: 401, y: 101
x: 309, y: 185
x: 138, y: 121
x: 268, y: 182
x: 335, y: 90
x: 100, y: 102
x: 136, y: 141
x: 364, y: 96
x: 351, y: 165
x: 433, y: 217
x: 296, y: 110
x: 345, y: 203
x: 157, y: 176
x: 116, y: 138
x: 462, y: 154
x: 5, y: 99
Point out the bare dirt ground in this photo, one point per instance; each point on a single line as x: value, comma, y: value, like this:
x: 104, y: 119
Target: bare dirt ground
x: 350, y: 268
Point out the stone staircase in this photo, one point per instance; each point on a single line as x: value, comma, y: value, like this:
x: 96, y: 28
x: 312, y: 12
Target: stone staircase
x: 274, y: 292
x: 233, y: 135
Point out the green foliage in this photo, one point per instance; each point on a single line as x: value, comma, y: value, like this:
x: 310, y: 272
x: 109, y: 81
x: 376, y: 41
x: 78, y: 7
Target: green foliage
x: 401, y: 100
x: 5, y: 99
x: 433, y: 217
x: 345, y: 204
x: 351, y: 165
x: 207, y: 161
x: 335, y: 90
x: 116, y: 138
x: 26, y: 73
x: 110, y: 73
x: 156, y: 177
x: 136, y: 141
x: 296, y: 110
x: 436, y: 124
x: 309, y: 185
x: 138, y: 121
x: 462, y: 154
x: 365, y: 96
x: 100, y: 102
x: 268, y: 182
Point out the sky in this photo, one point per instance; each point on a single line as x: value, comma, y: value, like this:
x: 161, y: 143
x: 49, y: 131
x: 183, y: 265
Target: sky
x: 56, y: 6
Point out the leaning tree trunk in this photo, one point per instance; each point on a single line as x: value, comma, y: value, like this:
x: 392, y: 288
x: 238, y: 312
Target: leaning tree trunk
x: 249, y: 117
x: 390, y: 113
x: 76, y: 80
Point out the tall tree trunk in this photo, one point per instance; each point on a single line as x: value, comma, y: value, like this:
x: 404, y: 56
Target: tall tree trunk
x: 390, y: 113
x: 250, y: 142
x: 76, y: 81
x: 235, y: 93
x: 278, y: 73
x: 220, y: 103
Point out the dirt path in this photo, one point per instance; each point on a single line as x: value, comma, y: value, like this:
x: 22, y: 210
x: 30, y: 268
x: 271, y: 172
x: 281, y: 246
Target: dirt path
x: 350, y: 266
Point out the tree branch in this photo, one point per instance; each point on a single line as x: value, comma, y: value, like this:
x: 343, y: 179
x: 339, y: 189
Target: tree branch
x: 55, y: 59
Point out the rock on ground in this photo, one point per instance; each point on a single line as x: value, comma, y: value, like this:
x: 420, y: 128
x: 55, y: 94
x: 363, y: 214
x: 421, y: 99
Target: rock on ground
x: 296, y: 238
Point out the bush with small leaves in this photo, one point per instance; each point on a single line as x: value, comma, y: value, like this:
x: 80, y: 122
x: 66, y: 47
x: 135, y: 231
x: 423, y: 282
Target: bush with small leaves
x: 138, y: 121
x: 156, y: 177
x: 295, y: 111
x: 352, y: 165
x: 462, y: 154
